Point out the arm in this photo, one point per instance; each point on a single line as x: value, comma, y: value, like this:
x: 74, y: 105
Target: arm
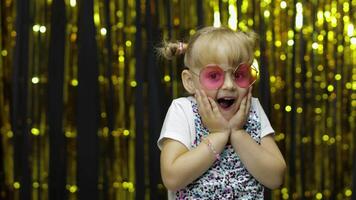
x: 179, y: 166
x: 265, y: 162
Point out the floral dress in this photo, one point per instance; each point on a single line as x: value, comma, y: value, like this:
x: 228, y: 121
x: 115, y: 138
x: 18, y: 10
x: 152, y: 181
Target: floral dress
x: 227, y: 178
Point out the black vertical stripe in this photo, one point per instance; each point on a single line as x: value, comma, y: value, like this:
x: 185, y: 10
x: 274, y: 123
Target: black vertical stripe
x: 139, y: 102
x: 303, y: 130
x: 292, y: 161
x: 3, y: 189
x: 172, y: 71
x: 168, y: 13
x: 109, y: 66
x: 19, y: 99
x: 264, y: 91
x: 313, y: 92
x: 110, y: 103
x: 200, y: 13
x: 3, y: 192
x: 221, y: 12
x: 57, y: 147
x: 239, y: 14
x: 354, y: 178
x: 154, y: 96
x: 87, y: 106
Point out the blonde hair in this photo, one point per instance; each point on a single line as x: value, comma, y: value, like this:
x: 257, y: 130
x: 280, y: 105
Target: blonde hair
x: 210, y: 44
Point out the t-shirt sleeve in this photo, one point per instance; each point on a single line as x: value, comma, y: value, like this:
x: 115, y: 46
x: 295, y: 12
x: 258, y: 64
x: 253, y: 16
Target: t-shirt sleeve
x: 176, y: 124
x: 266, y: 127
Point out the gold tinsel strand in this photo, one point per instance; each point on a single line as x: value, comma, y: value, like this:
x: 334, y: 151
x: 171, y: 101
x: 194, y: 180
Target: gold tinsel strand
x: 70, y: 85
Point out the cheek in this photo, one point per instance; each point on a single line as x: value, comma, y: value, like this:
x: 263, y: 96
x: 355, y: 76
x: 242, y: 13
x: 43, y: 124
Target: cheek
x: 239, y: 101
x: 197, y: 84
x: 210, y: 93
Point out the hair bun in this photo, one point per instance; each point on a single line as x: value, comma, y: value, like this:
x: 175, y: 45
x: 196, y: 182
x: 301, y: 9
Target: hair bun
x: 171, y: 49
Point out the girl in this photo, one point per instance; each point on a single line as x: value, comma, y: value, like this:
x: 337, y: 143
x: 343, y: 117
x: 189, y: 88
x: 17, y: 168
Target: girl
x: 218, y: 143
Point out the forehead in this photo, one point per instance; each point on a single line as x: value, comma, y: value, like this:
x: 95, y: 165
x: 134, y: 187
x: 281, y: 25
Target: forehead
x: 226, y: 50
x: 225, y: 67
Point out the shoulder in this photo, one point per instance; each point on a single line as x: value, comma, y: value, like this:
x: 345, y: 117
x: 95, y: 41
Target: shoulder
x: 178, y: 123
x: 265, y: 123
x: 255, y: 103
x: 180, y: 110
x: 181, y: 104
x: 182, y: 101
x: 254, y: 100
x: 256, y: 106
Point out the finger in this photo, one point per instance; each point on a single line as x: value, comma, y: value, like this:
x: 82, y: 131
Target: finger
x: 243, y: 103
x: 248, y: 104
x: 199, y: 102
x: 197, y: 97
x: 214, y: 107
x: 204, y: 98
x: 205, y: 102
x: 250, y: 91
x: 205, y: 106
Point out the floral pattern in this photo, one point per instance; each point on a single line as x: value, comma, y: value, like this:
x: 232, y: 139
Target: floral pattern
x: 227, y: 178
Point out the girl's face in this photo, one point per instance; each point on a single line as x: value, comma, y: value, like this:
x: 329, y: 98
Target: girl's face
x: 226, y: 84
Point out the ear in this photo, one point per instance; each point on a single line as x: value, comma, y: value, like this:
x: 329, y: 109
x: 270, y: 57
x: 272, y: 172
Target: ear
x: 188, y: 82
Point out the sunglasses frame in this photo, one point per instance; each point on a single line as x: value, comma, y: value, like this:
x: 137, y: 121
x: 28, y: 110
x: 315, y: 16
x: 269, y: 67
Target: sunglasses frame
x: 234, y: 71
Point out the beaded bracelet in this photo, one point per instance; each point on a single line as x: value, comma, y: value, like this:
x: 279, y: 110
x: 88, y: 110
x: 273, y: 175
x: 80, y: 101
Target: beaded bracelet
x: 211, y: 147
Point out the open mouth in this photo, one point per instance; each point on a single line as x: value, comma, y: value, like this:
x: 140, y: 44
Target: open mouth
x: 226, y: 102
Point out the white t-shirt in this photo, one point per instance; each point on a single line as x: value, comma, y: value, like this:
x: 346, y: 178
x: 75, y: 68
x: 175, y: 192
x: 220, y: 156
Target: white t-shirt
x: 179, y: 122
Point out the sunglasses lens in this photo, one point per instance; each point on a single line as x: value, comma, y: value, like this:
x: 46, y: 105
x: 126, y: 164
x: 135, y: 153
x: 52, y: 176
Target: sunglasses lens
x: 212, y: 77
x: 245, y: 76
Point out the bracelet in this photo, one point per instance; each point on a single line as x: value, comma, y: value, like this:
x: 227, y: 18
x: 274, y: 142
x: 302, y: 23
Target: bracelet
x: 211, y: 147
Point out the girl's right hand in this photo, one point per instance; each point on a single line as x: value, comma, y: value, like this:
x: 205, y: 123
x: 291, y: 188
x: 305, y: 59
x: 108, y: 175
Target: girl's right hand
x: 210, y: 114
x: 239, y: 119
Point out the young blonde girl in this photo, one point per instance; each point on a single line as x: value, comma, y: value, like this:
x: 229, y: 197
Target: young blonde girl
x: 218, y: 143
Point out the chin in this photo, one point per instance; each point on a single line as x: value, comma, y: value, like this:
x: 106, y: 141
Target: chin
x: 227, y: 115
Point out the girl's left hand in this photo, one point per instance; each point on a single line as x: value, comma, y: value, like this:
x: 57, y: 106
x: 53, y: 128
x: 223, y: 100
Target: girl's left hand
x: 210, y: 114
x: 239, y: 119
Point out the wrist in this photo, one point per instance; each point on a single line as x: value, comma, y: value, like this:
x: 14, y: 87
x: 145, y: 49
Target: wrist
x: 221, y: 137
x: 237, y: 133
x: 241, y: 130
x: 222, y: 132
x: 211, y: 147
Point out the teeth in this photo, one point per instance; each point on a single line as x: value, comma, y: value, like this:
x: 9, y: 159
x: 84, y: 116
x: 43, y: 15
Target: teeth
x: 227, y: 98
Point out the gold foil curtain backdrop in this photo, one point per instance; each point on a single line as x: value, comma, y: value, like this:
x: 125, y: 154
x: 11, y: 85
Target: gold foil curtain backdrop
x: 310, y: 55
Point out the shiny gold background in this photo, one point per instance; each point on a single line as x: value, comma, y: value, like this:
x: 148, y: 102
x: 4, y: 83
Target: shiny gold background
x: 309, y: 49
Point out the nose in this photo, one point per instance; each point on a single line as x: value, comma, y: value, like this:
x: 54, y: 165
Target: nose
x: 228, y: 82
